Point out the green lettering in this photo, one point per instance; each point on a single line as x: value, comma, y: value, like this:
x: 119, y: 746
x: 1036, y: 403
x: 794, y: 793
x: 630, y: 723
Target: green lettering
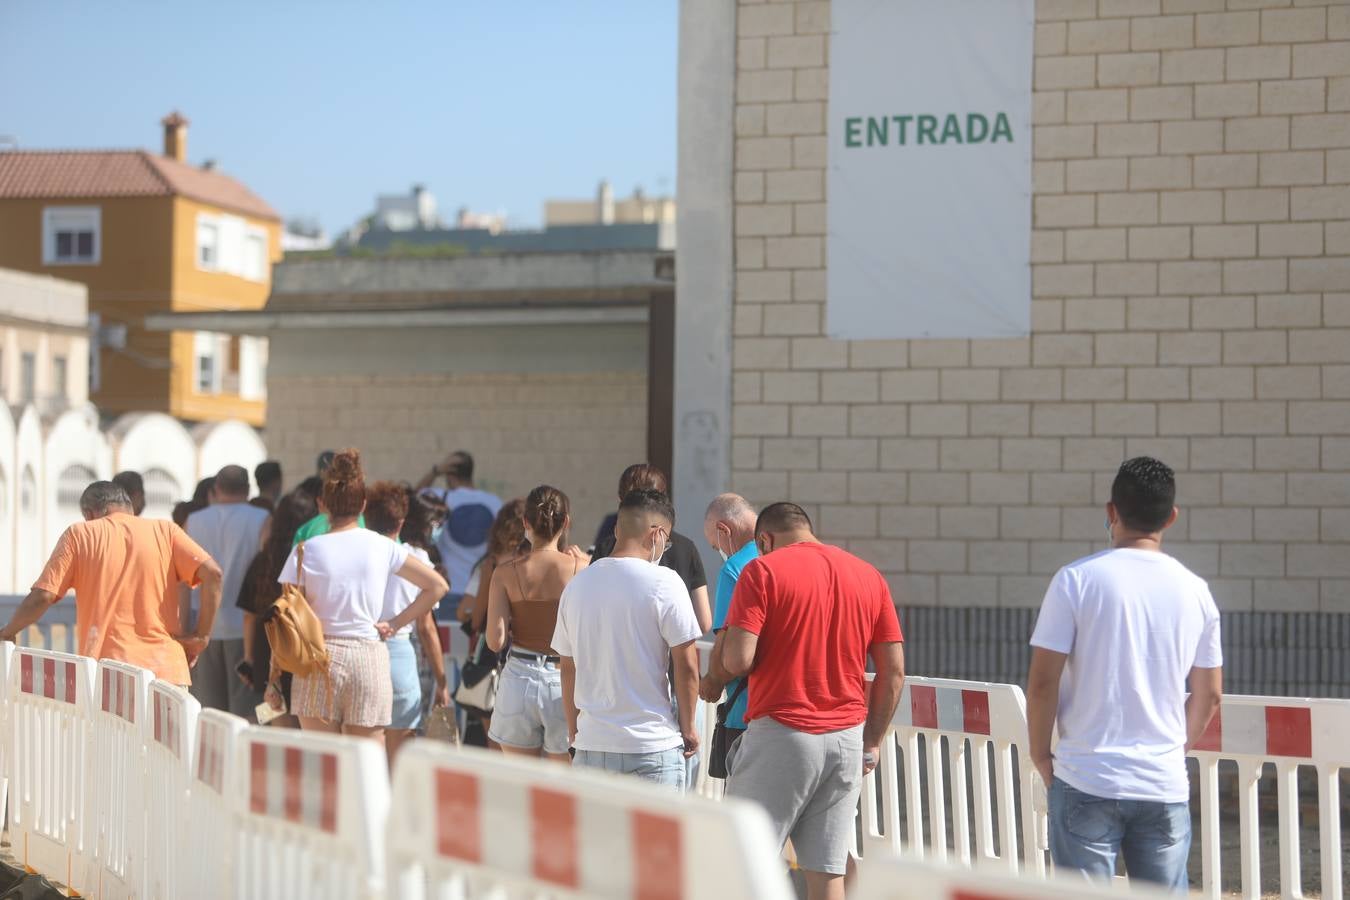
x: 951, y: 129
x: 928, y: 129
x: 878, y: 131
x: 1002, y: 126
x: 902, y: 123
x: 977, y: 128
x: 853, y: 132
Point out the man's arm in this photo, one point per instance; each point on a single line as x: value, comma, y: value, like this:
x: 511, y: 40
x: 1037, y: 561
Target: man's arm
x: 1042, y: 705
x: 29, y: 611
x: 738, y: 652
x: 428, y: 479
x: 568, y: 669
x: 1206, y: 694
x: 888, y: 659
x: 685, y: 657
x: 714, y: 681
x: 210, y: 577
x: 702, y: 611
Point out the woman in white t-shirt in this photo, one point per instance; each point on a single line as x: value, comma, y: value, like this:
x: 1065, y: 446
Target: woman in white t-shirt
x: 345, y: 576
x: 387, y: 507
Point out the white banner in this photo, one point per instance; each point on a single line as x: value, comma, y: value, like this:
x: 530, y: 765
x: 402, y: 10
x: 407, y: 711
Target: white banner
x: 930, y: 168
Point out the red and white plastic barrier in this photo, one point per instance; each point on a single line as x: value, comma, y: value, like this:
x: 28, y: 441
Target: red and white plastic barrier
x: 884, y: 876
x: 172, y: 724
x: 1254, y: 731
x: 969, y: 717
x: 207, y: 866
x: 473, y: 823
x: 115, y: 829
x: 49, y: 729
x: 310, y: 814
x: 6, y: 731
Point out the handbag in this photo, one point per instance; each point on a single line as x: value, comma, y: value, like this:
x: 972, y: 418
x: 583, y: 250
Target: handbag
x: 478, y: 679
x: 294, y: 632
x: 722, y: 738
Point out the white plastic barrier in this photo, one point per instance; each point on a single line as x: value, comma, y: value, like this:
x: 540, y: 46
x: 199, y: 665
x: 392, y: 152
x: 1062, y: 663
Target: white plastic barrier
x: 474, y: 823
x: 887, y: 877
x: 50, y: 695
x: 969, y: 717
x: 207, y: 867
x: 172, y: 725
x: 310, y: 816
x: 6, y: 732
x: 115, y: 829
x: 1287, y: 733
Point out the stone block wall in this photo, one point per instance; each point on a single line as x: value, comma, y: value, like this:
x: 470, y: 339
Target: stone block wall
x: 576, y: 431
x: 1191, y: 300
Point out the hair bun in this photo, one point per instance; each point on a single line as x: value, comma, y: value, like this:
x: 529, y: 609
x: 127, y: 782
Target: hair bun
x: 346, y: 467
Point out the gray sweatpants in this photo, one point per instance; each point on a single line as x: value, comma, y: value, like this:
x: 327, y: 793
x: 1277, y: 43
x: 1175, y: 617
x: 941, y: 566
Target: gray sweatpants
x: 808, y: 783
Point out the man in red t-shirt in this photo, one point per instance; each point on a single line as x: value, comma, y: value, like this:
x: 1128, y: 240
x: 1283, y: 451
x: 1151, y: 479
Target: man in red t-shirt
x: 803, y: 620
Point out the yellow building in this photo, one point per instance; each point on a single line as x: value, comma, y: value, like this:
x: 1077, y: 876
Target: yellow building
x: 149, y: 233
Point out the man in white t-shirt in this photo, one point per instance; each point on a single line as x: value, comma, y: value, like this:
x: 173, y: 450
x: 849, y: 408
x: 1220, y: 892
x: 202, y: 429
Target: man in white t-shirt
x: 230, y: 530
x: 620, y: 621
x: 470, y: 514
x: 1121, y: 636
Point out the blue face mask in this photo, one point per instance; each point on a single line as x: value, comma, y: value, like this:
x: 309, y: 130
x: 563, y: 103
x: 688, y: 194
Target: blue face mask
x: 1110, y: 536
x: 436, y: 533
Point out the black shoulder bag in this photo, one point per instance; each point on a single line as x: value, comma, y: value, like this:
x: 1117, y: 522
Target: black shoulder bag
x: 723, y: 737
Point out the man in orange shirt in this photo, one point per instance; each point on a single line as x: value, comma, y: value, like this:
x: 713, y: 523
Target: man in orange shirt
x: 120, y: 567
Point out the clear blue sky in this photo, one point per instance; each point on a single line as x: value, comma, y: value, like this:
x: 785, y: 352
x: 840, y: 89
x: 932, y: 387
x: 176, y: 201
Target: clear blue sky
x: 318, y: 105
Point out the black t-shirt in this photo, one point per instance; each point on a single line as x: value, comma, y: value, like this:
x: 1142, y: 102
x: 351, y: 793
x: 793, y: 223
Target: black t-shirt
x: 682, y: 557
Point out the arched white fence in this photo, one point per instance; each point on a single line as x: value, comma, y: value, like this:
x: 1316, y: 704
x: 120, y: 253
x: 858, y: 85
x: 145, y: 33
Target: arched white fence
x: 45, y: 465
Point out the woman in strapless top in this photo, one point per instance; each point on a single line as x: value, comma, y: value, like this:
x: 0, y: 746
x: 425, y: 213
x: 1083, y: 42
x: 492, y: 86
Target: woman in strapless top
x: 523, y: 609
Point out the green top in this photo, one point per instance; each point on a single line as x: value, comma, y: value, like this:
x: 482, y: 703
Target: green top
x: 319, y: 525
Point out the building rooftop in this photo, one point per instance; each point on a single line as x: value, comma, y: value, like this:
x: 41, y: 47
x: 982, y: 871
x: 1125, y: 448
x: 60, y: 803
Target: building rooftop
x: 82, y: 174
x: 43, y: 300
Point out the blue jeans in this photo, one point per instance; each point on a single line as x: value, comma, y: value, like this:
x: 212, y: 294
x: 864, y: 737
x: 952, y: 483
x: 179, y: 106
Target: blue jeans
x: 1087, y: 833
x: 663, y: 767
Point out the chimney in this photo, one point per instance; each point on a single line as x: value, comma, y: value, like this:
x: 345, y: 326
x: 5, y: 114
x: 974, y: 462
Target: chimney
x: 175, y: 136
x: 604, y: 203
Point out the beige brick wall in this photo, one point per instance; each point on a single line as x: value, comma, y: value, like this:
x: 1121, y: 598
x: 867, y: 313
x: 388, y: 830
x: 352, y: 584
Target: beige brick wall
x: 1191, y: 300
x: 576, y: 431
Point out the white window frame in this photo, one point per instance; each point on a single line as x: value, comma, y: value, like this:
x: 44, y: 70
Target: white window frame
x: 255, y: 236
x: 205, y: 222
x: 206, y: 345
x: 61, y: 218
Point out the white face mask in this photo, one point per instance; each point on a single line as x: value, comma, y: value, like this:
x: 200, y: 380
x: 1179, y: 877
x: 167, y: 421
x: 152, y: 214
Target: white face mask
x: 529, y: 537
x: 720, y: 552
x: 658, y: 548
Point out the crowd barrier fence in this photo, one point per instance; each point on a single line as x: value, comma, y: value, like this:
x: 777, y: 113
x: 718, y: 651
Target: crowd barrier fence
x: 208, y: 868
x: 50, y: 725
x: 115, y: 821
x: 311, y: 813
x: 974, y: 721
x: 885, y: 876
x: 6, y: 733
x: 592, y: 834
x: 1286, y: 733
x: 104, y: 766
x: 172, y: 725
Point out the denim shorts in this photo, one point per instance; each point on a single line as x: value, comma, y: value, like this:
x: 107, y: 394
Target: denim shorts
x: 407, y: 684
x: 662, y: 766
x: 529, y: 710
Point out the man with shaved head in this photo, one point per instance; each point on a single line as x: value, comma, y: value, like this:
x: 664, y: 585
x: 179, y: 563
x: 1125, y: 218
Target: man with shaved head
x: 230, y: 529
x: 804, y: 621
x: 729, y: 526
x: 621, y: 620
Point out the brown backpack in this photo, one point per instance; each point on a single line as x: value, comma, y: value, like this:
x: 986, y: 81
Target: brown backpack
x: 293, y: 630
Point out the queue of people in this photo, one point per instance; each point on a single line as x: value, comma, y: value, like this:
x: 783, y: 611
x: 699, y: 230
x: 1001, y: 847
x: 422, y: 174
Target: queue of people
x: 594, y: 652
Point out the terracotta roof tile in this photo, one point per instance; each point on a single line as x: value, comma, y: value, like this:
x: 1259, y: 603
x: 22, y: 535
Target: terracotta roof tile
x: 120, y: 173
